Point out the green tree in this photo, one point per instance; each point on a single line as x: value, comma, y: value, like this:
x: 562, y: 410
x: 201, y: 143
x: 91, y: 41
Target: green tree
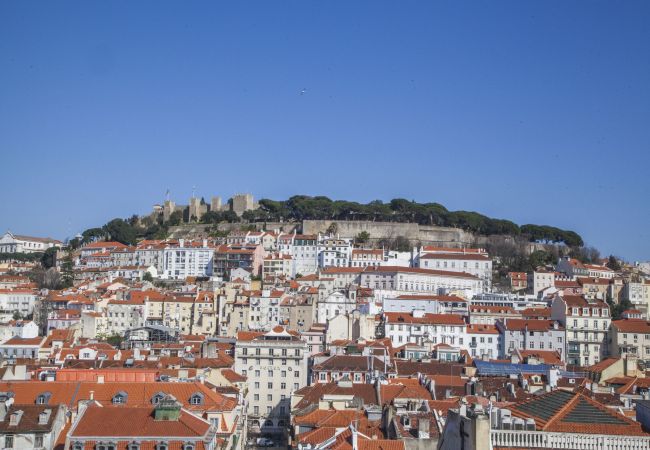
x: 363, y: 237
x: 121, y: 231
x: 147, y: 277
x: 49, y: 257
x: 613, y: 263
x: 67, y: 269
x: 175, y: 218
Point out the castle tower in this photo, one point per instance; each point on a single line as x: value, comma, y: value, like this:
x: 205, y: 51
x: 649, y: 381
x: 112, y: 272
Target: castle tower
x: 215, y: 204
x: 168, y: 208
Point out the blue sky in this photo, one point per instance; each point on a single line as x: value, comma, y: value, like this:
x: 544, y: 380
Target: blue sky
x: 535, y: 111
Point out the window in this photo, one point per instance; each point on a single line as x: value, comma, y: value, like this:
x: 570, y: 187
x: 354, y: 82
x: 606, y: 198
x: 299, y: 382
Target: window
x: 270, y: 385
x: 9, y: 441
x: 77, y: 446
x: 162, y: 446
x: 120, y: 398
x: 269, y: 397
x: 283, y: 385
x: 188, y: 447
x: 296, y: 374
x: 38, y: 440
x: 44, y: 398
x: 196, y: 399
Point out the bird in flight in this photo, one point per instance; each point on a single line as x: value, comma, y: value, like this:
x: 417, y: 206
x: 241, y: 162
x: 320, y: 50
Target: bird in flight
x: 303, y: 92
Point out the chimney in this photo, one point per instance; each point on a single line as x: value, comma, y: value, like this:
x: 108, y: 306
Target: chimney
x: 423, y: 428
x: 92, y: 395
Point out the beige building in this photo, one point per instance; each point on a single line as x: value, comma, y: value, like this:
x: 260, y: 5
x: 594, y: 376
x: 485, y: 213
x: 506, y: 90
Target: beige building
x: 275, y: 363
x: 351, y: 326
x: 190, y: 314
x: 276, y: 265
x: 298, y: 312
x: 630, y: 337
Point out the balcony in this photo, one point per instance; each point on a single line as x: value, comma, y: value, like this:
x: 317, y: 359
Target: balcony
x: 542, y: 439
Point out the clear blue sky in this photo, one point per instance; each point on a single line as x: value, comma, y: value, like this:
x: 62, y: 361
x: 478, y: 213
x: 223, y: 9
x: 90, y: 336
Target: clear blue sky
x: 536, y: 111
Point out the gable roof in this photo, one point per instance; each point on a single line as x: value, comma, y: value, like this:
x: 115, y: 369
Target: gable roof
x: 574, y: 412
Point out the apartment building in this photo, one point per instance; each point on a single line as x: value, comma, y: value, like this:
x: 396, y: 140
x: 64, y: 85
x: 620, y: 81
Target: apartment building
x: 187, y: 259
x: 587, y: 324
x: 275, y: 363
x: 479, y: 265
x: 363, y: 257
x: 419, y: 327
x: 190, y: 314
x: 390, y: 280
x: 525, y: 334
x: 483, y: 341
x: 334, y: 252
x: 630, y: 337
x: 303, y: 248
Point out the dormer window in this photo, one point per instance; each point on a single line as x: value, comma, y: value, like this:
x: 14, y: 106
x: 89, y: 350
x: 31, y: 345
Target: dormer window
x: 120, y: 398
x: 162, y: 446
x: 44, y: 398
x: 157, y: 398
x: 188, y: 447
x: 133, y: 446
x: 196, y: 399
x: 106, y: 446
x: 77, y: 446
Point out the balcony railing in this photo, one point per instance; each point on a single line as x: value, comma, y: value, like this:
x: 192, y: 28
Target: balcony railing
x: 542, y: 439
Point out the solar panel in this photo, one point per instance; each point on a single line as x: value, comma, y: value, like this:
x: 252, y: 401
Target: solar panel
x: 501, y: 369
x: 546, y: 406
x: 585, y: 412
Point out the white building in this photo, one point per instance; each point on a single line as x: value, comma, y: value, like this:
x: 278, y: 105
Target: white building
x: 523, y: 334
x: 412, y: 280
x: 191, y: 260
x: 587, y: 325
x: 479, y: 265
x: 14, y: 243
x: 638, y: 294
x: 540, y: 279
x: 150, y: 253
x: 334, y: 252
x: 17, y: 300
x: 482, y: 341
x: 264, y: 313
x: 276, y: 366
x: 431, y: 304
x: 303, y: 248
x: 333, y: 305
x: 418, y: 328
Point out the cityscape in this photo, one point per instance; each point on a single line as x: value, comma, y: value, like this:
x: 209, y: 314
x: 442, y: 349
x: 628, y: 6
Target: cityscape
x: 366, y: 225
x: 221, y: 332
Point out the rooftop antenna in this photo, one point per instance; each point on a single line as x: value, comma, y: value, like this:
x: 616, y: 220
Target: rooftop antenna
x: 167, y: 195
x: 194, y: 191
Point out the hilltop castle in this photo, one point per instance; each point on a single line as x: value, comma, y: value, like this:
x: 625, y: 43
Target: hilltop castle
x: 197, y: 207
